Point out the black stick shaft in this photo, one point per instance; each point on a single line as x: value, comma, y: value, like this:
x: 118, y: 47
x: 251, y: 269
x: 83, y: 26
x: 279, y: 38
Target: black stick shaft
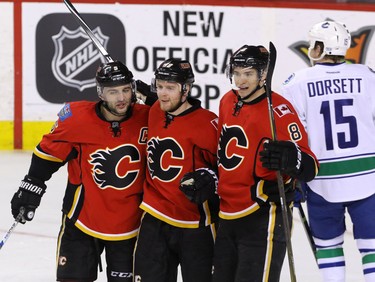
x: 307, y: 229
x: 280, y: 181
x: 11, y: 229
x: 88, y: 31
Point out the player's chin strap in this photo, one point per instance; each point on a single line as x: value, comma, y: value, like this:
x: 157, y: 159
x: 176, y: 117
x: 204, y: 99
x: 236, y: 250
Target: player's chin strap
x: 168, y: 116
x: 239, y: 104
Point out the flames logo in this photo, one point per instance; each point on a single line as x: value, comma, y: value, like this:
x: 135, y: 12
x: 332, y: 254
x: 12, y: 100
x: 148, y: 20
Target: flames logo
x: 228, y: 135
x: 116, y: 168
x: 357, y: 52
x: 161, y: 153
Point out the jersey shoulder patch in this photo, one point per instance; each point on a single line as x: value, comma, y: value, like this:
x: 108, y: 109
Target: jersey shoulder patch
x: 65, y: 112
x: 282, y: 110
x: 289, y: 79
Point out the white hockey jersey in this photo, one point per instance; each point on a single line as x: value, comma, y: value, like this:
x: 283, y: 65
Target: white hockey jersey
x: 336, y: 104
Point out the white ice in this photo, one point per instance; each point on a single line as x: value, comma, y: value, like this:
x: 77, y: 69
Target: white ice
x: 29, y: 253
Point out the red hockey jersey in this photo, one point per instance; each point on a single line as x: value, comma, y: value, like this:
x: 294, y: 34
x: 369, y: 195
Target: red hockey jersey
x: 241, y: 138
x: 105, y: 173
x: 177, y: 145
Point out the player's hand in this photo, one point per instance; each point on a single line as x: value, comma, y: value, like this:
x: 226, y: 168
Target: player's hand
x: 284, y: 156
x: 144, y: 93
x: 28, y: 197
x: 200, y: 185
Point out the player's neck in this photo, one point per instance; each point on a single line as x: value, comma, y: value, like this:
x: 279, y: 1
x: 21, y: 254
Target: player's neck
x: 329, y: 61
x: 110, y: 116
x: 256, y: 94
x: 181, y: 109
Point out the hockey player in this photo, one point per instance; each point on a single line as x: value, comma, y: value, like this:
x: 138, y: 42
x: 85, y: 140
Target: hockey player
x: 335, y: 103
x: 179, y: 199
x: 251, y: 243
x: 104, y: 144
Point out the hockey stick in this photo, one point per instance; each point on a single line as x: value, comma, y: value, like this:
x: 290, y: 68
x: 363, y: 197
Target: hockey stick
x: 307, y: 229
x: 303, y: 217
x: 280, y: 181
x: 88, y: 31
x: 16, y: 221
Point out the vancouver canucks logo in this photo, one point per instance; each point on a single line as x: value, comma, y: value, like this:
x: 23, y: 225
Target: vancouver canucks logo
x: 356, y: 53
x: 232, y: 140
x: 164, y: 158
x: 115, y: 168
x: 74, y: 53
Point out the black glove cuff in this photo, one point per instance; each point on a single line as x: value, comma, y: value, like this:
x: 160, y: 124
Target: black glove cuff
x: 33, y: 185
x: 212, y: 174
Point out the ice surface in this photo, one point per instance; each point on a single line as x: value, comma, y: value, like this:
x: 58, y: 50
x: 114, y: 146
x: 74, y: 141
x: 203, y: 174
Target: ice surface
x: 29, y: 253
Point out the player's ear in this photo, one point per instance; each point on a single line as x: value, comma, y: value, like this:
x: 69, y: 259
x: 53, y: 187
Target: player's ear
x: 187, y: 89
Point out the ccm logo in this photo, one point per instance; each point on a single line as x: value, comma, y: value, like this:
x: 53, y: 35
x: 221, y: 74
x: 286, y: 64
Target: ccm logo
x: 121, y: 274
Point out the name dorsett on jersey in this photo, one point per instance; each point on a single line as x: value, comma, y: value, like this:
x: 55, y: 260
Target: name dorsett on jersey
x: 334, y: 86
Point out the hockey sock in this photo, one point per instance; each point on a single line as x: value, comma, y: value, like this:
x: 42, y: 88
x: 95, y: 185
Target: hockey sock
x: 367, y: 249
x: 330, y: 258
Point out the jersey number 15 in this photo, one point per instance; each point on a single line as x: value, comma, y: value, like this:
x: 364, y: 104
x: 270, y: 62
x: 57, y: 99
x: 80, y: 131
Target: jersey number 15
x: 339, y: 118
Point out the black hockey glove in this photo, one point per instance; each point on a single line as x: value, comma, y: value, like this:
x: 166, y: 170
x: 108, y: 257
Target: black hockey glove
x: 28, y: 196
x: 149, y: 97
x: 200, y: 185
x: 284, y: 156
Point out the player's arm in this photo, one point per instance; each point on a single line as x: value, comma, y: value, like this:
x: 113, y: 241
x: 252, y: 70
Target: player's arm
x: 33, y: 186
x: 201, y: 185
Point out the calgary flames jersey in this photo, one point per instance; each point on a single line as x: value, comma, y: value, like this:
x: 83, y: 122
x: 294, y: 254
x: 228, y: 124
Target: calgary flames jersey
x: 106, y: 168
x: 177, y: 145
x: 242, y: 133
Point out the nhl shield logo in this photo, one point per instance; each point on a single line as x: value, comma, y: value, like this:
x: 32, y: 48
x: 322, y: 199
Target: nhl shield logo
x: 75, y: 52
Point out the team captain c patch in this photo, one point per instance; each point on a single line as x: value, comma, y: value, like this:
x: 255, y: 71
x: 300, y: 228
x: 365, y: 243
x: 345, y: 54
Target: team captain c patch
x: 282, y: 110
x: 65, y: 112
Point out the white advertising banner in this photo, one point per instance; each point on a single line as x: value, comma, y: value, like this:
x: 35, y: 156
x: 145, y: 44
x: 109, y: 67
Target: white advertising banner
x: 59, y: 61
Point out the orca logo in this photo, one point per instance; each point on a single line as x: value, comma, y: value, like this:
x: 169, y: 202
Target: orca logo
x: 67, y: 60
x: 231, y: 138
x: 67, y: 68
x: 161, y: 156
x: 116, y: 168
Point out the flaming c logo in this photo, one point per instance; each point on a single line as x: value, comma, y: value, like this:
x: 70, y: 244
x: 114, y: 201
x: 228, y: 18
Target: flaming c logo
x: 116, y: 168
x: 356, y: 53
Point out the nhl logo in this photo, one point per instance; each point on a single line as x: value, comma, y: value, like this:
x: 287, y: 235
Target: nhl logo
x: 74, y: 53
